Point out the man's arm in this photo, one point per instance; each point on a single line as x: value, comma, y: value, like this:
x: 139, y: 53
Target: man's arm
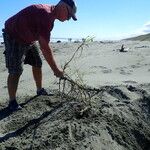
x: 48, y: 55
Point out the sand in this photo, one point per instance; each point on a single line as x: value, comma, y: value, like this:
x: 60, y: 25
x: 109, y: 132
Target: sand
x: 118, y: 117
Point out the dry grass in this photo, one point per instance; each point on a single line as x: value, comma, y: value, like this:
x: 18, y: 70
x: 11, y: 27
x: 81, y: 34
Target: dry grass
x: 77, y: 89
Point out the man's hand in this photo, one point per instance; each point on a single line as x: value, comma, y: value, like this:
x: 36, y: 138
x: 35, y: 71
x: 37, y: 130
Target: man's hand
x: 59, y: 73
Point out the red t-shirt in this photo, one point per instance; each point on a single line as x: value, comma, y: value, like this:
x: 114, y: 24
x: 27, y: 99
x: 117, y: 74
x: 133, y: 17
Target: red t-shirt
x: 30, y: 23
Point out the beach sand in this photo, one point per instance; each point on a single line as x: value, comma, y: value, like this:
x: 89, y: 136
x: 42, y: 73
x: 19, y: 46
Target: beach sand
x: 116, y: 118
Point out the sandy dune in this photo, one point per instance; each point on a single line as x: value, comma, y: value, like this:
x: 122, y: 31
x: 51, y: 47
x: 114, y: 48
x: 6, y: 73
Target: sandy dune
x: 117, y: 118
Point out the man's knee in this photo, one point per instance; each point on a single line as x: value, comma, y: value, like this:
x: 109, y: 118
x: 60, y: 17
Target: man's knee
x: 15, y: 75
x: 15, y: 71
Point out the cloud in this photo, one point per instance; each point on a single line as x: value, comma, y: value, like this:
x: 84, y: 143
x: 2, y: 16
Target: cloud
x: 144, y: 29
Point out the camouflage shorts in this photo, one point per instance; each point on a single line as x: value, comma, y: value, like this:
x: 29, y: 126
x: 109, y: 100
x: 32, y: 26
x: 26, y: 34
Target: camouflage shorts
x: 16, y: 55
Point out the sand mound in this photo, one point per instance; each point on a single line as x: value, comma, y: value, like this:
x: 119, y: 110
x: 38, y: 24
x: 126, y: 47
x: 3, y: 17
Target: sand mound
x: 118, y: 119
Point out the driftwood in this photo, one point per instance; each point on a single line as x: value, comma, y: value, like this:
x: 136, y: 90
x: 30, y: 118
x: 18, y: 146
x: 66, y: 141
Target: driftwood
x: 69, y: 87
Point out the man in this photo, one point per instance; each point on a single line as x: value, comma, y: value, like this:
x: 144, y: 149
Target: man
x: 31, y: 24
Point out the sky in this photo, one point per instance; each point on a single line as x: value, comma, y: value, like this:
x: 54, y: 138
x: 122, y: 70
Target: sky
x: 101, y: 19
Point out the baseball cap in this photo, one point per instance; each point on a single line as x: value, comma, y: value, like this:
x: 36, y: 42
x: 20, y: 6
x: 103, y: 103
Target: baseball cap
x: 72, y: 4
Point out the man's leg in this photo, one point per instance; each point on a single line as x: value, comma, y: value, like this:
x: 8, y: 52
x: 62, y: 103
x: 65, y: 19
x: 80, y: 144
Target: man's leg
x: 12, y: 82
x: 33, y: 58
x: 37, y: 75
x: 13, y: 58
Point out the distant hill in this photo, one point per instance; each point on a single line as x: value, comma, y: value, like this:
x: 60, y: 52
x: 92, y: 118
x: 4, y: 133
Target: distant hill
x: 145, y: 37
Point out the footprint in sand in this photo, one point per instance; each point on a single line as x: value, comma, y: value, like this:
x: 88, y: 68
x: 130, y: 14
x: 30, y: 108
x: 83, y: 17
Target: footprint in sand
x: 107, y: 71
x: 123, y: 72
x: 104, y: 69
x: 135, y: 66
x: 130, y: 81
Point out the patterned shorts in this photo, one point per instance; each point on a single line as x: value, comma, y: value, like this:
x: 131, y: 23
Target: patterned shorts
x: 16, y: 55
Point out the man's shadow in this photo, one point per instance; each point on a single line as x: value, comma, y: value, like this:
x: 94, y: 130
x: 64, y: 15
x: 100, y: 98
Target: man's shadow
x: 5, y: 112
